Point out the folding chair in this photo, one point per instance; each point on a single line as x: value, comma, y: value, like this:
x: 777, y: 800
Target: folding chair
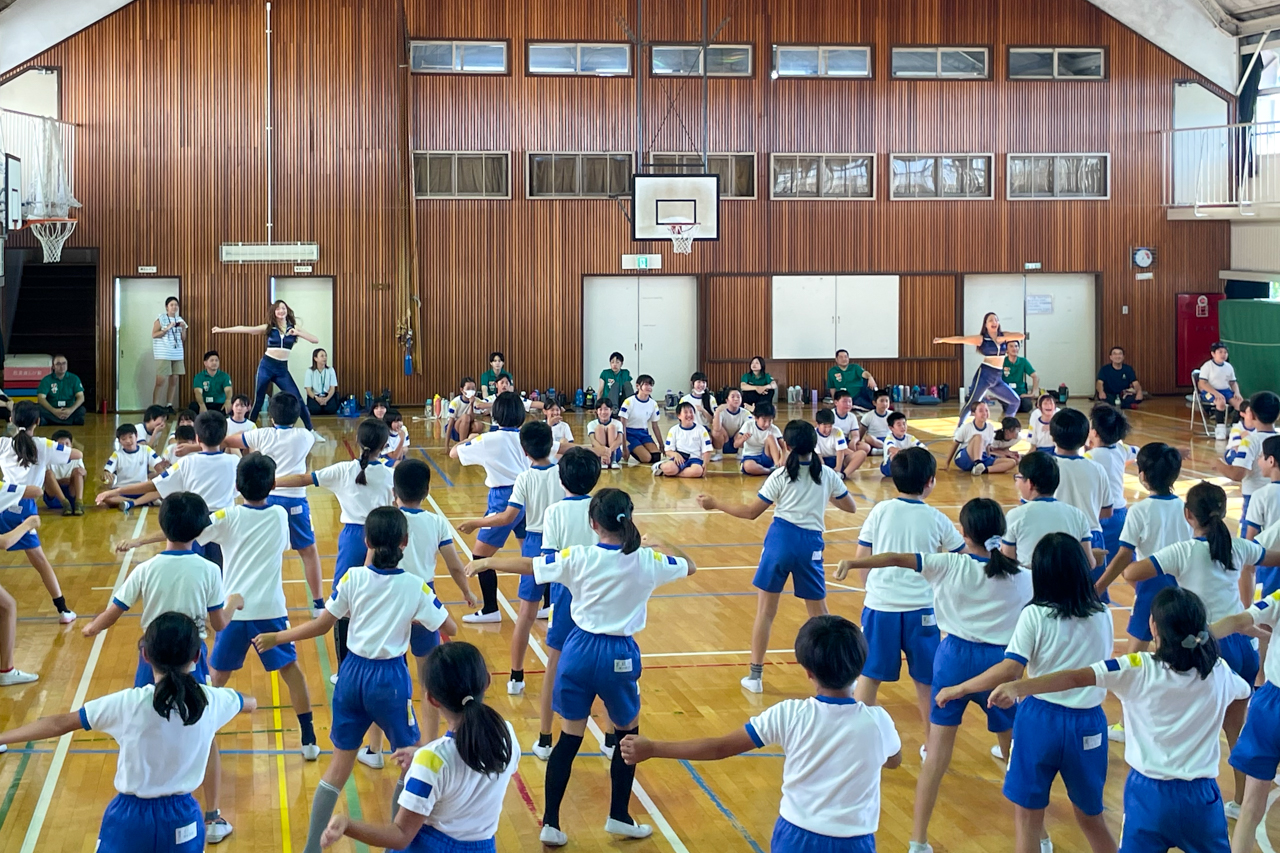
x: 1198, y: 405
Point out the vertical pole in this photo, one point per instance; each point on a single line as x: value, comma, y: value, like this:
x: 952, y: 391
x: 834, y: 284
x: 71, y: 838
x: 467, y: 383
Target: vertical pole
x: 704, y: 86
x: 639, y: 55
x: 270, y: 151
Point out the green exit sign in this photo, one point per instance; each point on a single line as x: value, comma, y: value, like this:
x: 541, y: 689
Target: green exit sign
x: 642, y: 262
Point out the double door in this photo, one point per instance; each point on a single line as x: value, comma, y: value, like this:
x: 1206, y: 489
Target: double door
x: 651, y: 320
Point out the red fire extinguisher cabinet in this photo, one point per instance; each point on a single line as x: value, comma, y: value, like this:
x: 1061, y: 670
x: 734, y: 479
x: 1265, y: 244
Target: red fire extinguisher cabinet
x: 1197, y: 329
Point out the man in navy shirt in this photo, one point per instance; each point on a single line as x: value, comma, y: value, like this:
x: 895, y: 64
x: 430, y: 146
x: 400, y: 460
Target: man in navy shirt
x: 1117, y: 383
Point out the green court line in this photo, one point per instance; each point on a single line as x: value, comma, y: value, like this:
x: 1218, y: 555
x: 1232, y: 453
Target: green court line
x: 353, y: 798
x: 13, y: 786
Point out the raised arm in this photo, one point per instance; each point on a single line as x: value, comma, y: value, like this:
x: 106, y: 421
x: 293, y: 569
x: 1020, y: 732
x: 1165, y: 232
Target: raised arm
x: 52, y: 726
x: 1229, y: 625
x: 676, y: 551
x: 240, y: 330
x: 1011, y: 336
x: 304, y: 334
x: 749, y: 511
x: 878, y: 561
x: 293, y: 481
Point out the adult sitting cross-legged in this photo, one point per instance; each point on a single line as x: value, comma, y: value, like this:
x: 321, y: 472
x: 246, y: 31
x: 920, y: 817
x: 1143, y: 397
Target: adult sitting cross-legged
x: 1117, y: 383
x: 61, y: 396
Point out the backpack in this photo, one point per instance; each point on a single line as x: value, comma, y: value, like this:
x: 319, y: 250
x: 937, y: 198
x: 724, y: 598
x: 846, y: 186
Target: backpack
x: 349, y: 408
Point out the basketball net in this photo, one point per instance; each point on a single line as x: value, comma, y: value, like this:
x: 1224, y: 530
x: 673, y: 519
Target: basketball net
x: 52, y: 234
x: 682, y: 236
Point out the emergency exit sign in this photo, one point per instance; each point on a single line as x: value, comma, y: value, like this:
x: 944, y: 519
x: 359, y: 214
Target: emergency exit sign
x: 642, y: 262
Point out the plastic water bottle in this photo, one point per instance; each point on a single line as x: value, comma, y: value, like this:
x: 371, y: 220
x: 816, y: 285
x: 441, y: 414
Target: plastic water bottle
x: 551, y: 394
x: 578, y: 399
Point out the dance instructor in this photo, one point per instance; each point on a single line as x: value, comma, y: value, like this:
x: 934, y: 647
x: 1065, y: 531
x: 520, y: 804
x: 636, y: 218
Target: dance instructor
x: 282, y: 332
x: 992, y: 343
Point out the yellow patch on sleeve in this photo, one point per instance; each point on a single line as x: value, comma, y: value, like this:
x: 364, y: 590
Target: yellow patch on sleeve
x: 1134, y: 659
x: 1275, y: 596
x: 220, y: 514
x: 427, y: 590
x: 428, y: 759
x: 564, y: 555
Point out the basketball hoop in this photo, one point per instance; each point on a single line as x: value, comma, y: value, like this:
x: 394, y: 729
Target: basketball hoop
x: 52, y: 234
x: 682, y: 234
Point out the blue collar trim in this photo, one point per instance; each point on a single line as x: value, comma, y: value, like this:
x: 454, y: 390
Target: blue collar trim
x: 212, y: 452
x: 577, y: 497
x: 608, y: 547
x: 1163, y: 497
x: 1046, y: 500
x: 834, y: 700
x: 543, y: 467
x: 256, y: 506
x: 178, y: 552
x: 377, y: 571
x: 1066, y: 455
x: 910, y: 500
x: 412, y: 510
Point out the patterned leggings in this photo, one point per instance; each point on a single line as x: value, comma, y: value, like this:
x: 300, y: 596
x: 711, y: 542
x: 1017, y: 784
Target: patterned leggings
x: 990, y: 380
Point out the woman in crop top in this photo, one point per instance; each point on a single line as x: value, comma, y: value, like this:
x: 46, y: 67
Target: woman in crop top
x: 282, y: 333
x: 991, y: 342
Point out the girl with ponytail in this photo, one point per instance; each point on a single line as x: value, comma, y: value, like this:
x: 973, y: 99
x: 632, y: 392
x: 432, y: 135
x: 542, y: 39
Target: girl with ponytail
x: 165, y: 732
x: 453, y: 790
x: 360, y: 485
x: 978, y: 594
x: 382, y: 603
x: 799, y: 492
x: 1211, y: 565
x: 1174, y: 700
x: 610, y: 583
x: 24, y: 461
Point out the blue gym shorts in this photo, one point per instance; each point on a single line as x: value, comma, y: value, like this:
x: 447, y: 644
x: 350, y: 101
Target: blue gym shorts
x: 422, y: 641
x: 301, y: 534
x: 594, y: 665
x: 531, y: 546
x: 764, y: 460
x: 373, y: 692
x: 890, y: 634
x: 233, y: 643
x: 1144, y: 593
x: 1257, y: 752
x: 638, y: 437
x: 885, y: 470
x: 173, y: 824
x: 1164, y: 813
x: 562, y: 623
x: 1241, y: 654
x: 496, y: 537
x: 351, y: 550
x: 789, y: 838
x: 1111, y: 527
x: 431, y: 840
x: 964, y: 463
x: 144, y: 676
x: 10, y: 519
x: 1051, y: 739
x: 790, y: 550
x: 956, y: 662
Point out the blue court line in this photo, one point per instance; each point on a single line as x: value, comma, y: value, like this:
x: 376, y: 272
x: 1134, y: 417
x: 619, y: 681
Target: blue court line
x: 724, y: 810
x: 433, y: 464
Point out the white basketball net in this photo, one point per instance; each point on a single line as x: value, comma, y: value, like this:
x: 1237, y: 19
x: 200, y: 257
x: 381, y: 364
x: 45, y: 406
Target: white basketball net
x: 682, y: 237
x: 53, y: 234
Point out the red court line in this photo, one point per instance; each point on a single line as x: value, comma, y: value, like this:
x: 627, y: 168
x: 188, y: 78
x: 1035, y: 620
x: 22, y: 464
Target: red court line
x: 648, y: 667
x: 527, y: 797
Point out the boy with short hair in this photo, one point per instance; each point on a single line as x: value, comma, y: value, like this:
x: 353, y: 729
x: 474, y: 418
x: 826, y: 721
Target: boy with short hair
x: 239, y: 421
x: 701, y: 399
x: 831, y: 445
x: 183, y: 436
x: 896, y: 441
x: 606, y: 433
x: 133, y: 463
x: 875, y: 423
x: 68, y: 477
x: 1217, y: 385
x: 687, y: 447
x: 1108, y: 428
x: 897, y: 614
x: 846, y: 419
x: 832, y: 742
x: 760, y: 444
x: 1041, y: 513
x: 1082, y: 482
x: 640, y: 415
x: 726, y: 421
x: 973, y: 440
x: 212, y: 385
x: 1264, y: 410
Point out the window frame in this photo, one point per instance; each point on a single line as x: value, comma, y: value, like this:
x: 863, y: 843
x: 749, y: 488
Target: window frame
x: 873, y: 172
x: 702, y: 59
x: 937, y: 49
x: 1054, y: 49
x: 528, y: 176
x: 820, y: 47
x: 1008, y: 172
x: 455, y: 195
x: 578, y: 46
x: 755, y: 169
x: 991, y: 183
x: 506, y: 46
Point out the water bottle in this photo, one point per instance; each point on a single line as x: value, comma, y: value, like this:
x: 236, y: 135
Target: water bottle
x: 536, y: 396
x: 813, y: 397
x: 578, y: 398
x: 551, y: 394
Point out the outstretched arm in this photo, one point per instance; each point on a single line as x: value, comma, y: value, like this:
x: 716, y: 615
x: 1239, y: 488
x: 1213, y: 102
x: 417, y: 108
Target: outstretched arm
x: 511, y: 565
x: 52, y: 726
x: 304, y: 334
x: 293, y: 481
x: 1140, y: 570
x: 877, y: 561
x: 1006, y: 670
x: 397, y: 835
x: 749, y: 511
x: 240, y: 330
x: 1010, y: 692
x: 317, y: 627
x: 637, y: 748
x: 497, y: 519
x: 971, y: 340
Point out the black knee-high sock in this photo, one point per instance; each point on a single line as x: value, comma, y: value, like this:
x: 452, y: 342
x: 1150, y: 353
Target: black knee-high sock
x: 546, y: 595
x: 340, y: 638
x: 559, y: 766
x: 621, y: 777
x: 489, y: 590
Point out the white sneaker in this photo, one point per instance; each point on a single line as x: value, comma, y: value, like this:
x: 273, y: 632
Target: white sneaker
x: 66, y: 617
x: 333, y: 679
x: 1232, y: 809
x: 542, y: 753
x: 544, y: 613
x: 369, y: 758
x: 607, y: 750
x: 320, y: 439
x: 1046, y: 845
x: 1116, y: 733
x: 924, y: 752
x: 16, y: 676
x: 481, y: 618
x: 515, y: 688
x: 998, y: 755
x: 657, y: 469
x: 552, y: 837
x: 1220, y: 432
x: 752, y: 685
x: 978, y: 469
x: 917, y: 847
x: 217, y: 830
x: 310, y: 751
x: 630, y: 830
x: 716, y: 457
x: 4, y: 747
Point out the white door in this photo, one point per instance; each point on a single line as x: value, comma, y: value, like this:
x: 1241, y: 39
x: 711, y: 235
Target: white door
x: 804, y: 316
x: 138, y: 302
x: 866, y: 316
x: 312, y: 302
x: 610, y: 323
x: 1057, y: 311
x: 668, y: 338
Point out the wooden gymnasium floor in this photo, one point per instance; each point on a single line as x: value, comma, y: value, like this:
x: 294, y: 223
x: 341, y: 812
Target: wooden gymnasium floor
x: 694, y: 647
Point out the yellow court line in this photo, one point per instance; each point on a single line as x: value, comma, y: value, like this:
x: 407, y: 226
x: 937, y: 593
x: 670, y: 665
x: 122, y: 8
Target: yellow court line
x: 286, y: 845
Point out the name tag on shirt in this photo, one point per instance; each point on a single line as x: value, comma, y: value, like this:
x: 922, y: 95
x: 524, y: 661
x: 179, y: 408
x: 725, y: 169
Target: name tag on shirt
x: 622, y: 665
x: 183, y: 834
x: 1092, y: 741
x: 928, y: 620
x: 208, y: 399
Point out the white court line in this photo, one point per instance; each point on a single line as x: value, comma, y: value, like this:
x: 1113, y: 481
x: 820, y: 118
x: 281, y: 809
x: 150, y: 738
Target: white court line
x: 641, y: 794
x: 713, y: 654
x: 64, y: 743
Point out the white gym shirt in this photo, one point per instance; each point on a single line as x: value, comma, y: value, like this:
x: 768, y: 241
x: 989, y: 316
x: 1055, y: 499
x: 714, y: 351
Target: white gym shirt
x: 253, y: 541
x: 904, y: 526
x: 610, y: 589
x: 382, y: 604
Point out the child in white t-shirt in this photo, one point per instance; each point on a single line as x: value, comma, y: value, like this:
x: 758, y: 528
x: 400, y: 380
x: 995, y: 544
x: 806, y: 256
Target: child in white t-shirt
x: 1082, y: 482
x: 726, y: 421
x: 1040, y: 513
x: 760, y: 443
x: 1264, y: 509
x: 687, y: 447
x: 832, y: 448
x: 704, y: 404
x: 561, y: 433
x: 896, y: 441
x: 875, y: 423
x: 607, y: 435
x: 1038, y: 435
x: 640, y: 415
x: 461, y: 422
x: 1218, y: 385
x: 397, y: 436
x: 1263, y: 411
x: 973, y: 440
x: 1108, y: 429
x: 133, y: 463
x: 69, y: 477
x: 831, y: 741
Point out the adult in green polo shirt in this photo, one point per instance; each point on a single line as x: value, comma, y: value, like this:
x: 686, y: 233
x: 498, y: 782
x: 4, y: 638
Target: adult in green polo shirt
x: 61, y: 396
x: 489, y: 379
x: 1017, y: 370
x: 846, y: 376
x: 756, y: 385
x: 212, y: 386
x: 615, y: 383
